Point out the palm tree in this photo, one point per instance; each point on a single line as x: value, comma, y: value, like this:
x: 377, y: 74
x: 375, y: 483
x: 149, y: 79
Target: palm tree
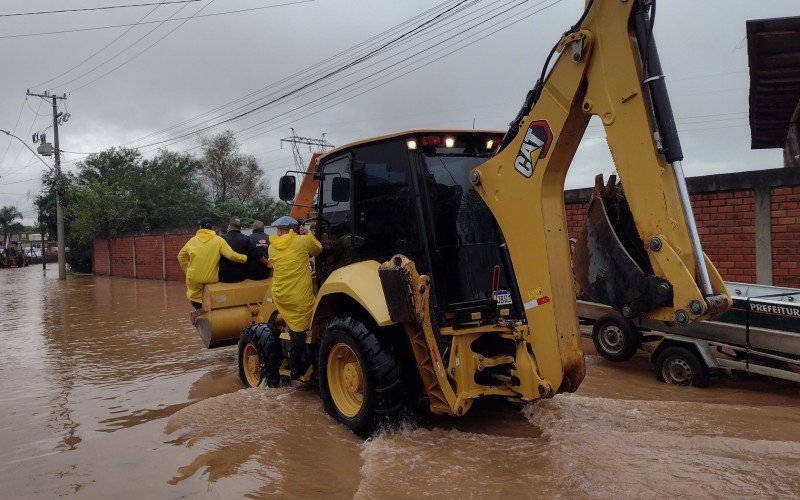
x: 8, y: 215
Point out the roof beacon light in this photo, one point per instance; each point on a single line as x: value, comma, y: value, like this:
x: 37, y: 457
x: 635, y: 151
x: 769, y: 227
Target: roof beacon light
x: 449, y: 142
x: 431, y: 141
x: 411, y: 143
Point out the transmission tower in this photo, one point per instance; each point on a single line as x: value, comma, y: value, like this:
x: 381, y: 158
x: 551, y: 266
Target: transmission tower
x: 296, y: 141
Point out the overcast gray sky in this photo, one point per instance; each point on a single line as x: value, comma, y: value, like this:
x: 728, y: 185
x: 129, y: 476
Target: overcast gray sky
x: 207, y: 62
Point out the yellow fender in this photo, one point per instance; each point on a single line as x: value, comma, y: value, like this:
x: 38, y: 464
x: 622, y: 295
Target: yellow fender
x: 268, y: 311
x: 357, y: 282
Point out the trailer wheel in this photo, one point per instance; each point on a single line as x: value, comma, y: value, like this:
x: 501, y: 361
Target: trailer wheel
x: 678, y: 365
x: 260, y: 356
x: 615, y: 338
x: 361, y: 384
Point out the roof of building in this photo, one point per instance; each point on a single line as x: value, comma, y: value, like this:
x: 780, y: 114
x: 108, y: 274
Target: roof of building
x: 773, y: 50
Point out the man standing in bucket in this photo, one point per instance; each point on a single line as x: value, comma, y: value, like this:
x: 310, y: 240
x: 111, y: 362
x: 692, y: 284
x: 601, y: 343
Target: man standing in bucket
x: 292, y: 288
x: 258, y: 269
x: 231, y: 271
x: 199, y: 259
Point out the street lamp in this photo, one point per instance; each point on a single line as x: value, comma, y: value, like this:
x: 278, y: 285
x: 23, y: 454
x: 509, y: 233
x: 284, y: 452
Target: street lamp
x: 46, y: 149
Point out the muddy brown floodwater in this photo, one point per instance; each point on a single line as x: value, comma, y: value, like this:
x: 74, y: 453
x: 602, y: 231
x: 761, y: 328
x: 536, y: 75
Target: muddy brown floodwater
x: 107, y: 391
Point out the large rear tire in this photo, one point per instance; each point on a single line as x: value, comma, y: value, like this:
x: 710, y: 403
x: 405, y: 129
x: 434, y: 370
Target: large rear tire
x: 361, y: 383
x: 615, y: 338
x: 260, y: 356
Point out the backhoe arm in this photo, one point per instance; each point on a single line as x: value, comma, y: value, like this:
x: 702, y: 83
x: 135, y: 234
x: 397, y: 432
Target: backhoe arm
x: 651, y: 265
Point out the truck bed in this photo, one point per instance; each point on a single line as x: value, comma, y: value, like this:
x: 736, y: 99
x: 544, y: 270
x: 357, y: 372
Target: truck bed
x: 764, y: 318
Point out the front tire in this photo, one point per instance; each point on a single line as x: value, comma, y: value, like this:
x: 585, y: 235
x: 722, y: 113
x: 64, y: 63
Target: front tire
x: 260, y: 356
x: 361, y: 383
x: 678, y: 365
x: 615, y: 338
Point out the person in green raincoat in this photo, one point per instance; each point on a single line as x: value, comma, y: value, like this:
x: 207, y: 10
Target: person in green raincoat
x: 292, y: 288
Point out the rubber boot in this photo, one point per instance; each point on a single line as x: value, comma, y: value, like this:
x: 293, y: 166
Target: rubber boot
x: 297, y: 350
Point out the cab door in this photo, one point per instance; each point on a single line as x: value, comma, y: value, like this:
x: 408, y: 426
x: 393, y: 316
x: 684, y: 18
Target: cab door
x: 334, y: 217
x: 385, y: 215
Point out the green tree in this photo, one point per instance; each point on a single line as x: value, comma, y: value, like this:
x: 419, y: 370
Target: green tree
x: 117, y: 192
x: 227, y: 173
x: 45, y: 202
x: 8, y: 216
x: 266, y: 209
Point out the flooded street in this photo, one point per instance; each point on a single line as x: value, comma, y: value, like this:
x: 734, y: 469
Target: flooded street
x: 106, y: 391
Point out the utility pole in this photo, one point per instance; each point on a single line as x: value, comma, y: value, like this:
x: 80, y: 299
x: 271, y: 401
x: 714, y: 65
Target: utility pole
x: 295, y: 140
x: 59, y: 188
x: 42, y: 243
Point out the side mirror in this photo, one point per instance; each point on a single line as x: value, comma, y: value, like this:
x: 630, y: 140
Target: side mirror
x: 286, y: 188
x: 340, y: 189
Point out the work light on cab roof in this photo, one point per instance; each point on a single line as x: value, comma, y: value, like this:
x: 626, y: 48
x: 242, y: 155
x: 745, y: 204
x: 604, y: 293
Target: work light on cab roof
x: 431, y: 143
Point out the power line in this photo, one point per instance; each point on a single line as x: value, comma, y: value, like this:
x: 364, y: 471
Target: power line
x: 350, y: 88
x: 103, y: 47
x: 143, y: 50
x: 314, y: 68
x: 33, y: 110
x: 415, y: 66
x: 460, y: 48
x: 14, y: 130
x: 114, y: 26
x: 27, y: 135
x: 108, y: 7
x: 306, y: 85
x: 123, y: 50
x: 20, y: 182
x: 383, y: 83
x: 414, y: 69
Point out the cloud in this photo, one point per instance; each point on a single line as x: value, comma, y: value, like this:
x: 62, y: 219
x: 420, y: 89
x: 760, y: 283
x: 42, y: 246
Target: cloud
x: 211, y: 61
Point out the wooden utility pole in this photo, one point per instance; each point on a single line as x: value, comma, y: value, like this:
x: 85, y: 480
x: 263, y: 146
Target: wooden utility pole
x: 42, y: 243
x: 59, y: 188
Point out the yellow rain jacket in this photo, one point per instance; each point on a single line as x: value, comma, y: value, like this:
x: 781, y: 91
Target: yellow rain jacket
x: 292, y: 289
x: 199, y: 259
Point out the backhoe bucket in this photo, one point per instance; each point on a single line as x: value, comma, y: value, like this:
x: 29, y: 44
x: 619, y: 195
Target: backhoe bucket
x: 610, y: 262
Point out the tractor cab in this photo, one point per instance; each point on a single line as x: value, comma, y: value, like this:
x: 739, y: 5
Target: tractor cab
x: 410, y: 194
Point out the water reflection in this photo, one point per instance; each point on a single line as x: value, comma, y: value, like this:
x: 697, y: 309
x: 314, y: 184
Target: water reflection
x: 106, y: 390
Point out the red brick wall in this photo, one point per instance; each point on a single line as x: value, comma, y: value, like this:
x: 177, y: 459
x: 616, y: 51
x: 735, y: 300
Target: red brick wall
x: 576, y: 215
x: 174, y: 243
x: 121, y: 257
x: 149, y: 258
x: 785, y: 215
x: 100, y: 259
x: 726, y: 223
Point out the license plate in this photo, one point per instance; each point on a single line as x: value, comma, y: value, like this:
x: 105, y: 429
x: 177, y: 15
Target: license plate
x: 502, y: 297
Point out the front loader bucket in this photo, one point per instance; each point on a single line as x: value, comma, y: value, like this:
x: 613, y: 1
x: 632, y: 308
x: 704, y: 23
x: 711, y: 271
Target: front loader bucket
x: 230, y: 308
x: 610, y: 262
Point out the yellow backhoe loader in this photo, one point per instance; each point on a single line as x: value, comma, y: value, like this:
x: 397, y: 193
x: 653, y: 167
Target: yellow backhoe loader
x: 446, y: 272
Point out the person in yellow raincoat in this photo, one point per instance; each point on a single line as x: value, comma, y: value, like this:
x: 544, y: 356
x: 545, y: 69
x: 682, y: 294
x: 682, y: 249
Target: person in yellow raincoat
x: 199, y: 259
x: 292, y: 288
